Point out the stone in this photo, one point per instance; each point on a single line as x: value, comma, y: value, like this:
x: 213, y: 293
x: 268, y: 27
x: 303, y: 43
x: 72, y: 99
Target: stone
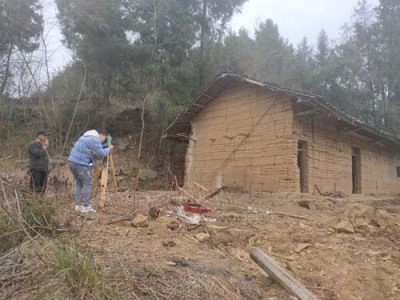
x: 148, y: 174
x: 140, y: 221
x: 173, y: 225
x: 201, y: 237
x: 307, y: 204
x: 124, y: 171
x: 301, y: 247
x: 169, y: 244
x: 344, y: 227
x: 356, y: 211
x: 154, y: 212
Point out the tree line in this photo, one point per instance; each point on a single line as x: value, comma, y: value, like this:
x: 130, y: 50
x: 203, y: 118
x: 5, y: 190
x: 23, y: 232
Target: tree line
x: 157, y: 54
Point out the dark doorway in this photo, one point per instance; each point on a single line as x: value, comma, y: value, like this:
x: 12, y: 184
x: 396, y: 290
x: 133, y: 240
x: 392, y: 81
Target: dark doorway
x: 356, y: 170
x: 302, y: 164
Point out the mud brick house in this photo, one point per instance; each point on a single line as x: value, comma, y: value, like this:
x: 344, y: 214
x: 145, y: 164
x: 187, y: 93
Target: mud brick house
x: 260, y: 137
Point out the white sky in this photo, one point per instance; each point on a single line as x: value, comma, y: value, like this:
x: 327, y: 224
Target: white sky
x: 298, y: 18
x: 58, y: 55
x: 295, y: 19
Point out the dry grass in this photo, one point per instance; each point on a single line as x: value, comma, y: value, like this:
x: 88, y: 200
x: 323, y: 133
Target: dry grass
x: 56, y: 253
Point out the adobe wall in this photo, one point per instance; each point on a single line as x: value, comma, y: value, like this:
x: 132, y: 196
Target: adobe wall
x: 244, y: 140
x: 330, y: 159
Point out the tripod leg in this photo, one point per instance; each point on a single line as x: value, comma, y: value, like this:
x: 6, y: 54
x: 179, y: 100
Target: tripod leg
x: 104, y: 174
x: 96, y: 178
x: 115, y: 181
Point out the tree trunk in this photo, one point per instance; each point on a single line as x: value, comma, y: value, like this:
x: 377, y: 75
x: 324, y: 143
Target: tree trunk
x: 7, y: 72
x: 202, y: 34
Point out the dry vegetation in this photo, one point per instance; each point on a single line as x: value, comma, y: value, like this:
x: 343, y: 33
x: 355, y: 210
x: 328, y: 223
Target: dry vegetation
x: 339, y: 248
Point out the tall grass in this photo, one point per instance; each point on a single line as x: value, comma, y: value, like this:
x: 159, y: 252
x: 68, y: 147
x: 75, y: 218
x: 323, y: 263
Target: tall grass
x: 24, y: 216
x: 77, y: 275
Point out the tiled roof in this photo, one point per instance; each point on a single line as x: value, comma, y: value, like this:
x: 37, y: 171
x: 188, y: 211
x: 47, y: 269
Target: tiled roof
x: 180, y: 128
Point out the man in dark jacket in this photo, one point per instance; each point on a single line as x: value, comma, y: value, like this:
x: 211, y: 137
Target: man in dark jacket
x: 39, y: 162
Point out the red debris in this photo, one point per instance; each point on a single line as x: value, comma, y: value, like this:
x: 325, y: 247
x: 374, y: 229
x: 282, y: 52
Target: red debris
x: 195, y: 208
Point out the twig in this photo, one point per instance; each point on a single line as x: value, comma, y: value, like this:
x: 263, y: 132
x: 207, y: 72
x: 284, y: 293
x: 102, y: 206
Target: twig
x: 318, y: 190
x: 200, y: 186
x: 5, y: 158
x: 214, y: 193
x: 75, y: 109
x: 127, y: 218
x: 394, y: 231
x: 287, y: 215
x: 182, y: 190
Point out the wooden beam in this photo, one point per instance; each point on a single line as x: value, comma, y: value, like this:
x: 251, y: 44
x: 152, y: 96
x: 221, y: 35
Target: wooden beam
x: 280, y: 276
x: 201, y: 106
x: 187, y: 111
x: 307, y: 112
x: 301, y: 100
x: 208, y: 96
x: 343, y: 129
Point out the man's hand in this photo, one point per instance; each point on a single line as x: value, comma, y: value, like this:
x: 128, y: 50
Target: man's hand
x: 110, y: 149
x: 45, y: 143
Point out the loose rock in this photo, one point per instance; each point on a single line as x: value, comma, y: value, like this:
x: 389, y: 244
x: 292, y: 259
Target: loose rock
x: 140, y: 221
x: 344, y: 227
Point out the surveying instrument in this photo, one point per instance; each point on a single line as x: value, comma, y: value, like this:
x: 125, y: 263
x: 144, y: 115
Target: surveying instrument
x: 104, y: 178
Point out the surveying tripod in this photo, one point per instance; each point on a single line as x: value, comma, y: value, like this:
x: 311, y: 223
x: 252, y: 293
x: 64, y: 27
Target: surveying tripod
x: 103, y: 172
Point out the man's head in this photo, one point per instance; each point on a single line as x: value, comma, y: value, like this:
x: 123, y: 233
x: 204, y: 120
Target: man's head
x: 42, y: 135
x: 102, y: 134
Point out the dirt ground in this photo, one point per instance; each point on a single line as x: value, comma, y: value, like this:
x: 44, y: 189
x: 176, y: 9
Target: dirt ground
x: 338, y: 247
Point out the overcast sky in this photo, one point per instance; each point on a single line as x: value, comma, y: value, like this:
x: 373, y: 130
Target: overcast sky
x: 295, y: 19
x: 298, y: 18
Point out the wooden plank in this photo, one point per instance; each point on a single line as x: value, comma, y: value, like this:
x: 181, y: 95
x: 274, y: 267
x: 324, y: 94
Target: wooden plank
x: 280, y: 276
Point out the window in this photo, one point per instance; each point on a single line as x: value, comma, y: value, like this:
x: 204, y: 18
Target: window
x: 398, y: 171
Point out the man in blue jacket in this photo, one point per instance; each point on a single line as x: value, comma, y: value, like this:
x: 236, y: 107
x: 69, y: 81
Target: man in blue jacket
x: 86, y: 150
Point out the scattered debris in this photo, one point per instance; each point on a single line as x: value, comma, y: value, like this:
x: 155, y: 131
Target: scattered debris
x: 192, y: 220
x: 195, y: 208
x: 178, y: 200
x: 183, y: 191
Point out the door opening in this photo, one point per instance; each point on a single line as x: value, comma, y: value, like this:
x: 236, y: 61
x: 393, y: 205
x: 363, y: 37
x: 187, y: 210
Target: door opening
x: 356, y: 170
x: 302, y: 164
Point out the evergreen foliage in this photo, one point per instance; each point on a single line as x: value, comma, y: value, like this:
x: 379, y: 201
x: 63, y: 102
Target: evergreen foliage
x: 158, y: 54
